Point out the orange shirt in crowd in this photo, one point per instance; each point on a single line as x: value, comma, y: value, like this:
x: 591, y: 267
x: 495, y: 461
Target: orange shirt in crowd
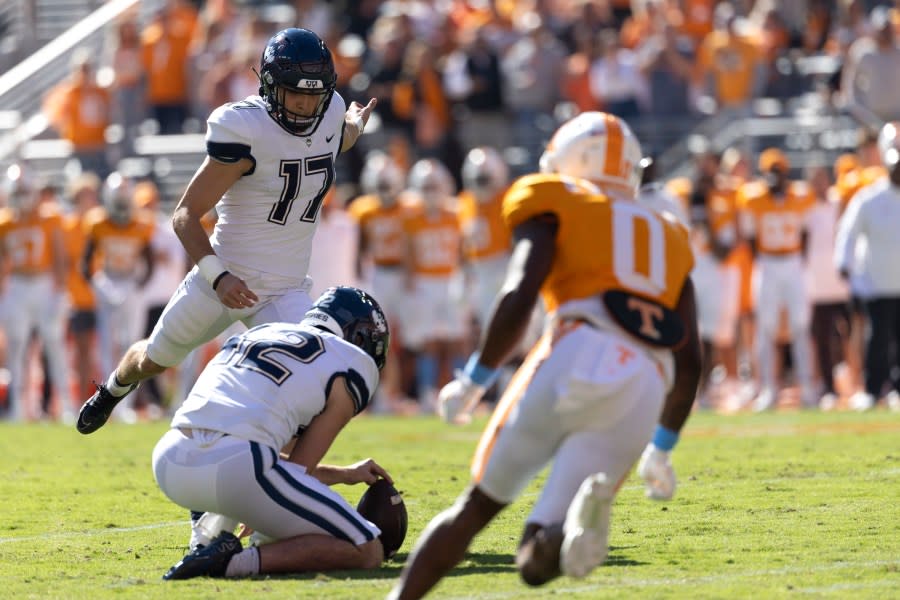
x: 29, y: 240
x: 165, y: 45
x: 80, y: 111
x: 731, y: 62
x: 778, y: 223
x: 485, y: 234
x: 74, y: 240
x: 381, y: 229
x: 433, y: 242
x: 697, y: 18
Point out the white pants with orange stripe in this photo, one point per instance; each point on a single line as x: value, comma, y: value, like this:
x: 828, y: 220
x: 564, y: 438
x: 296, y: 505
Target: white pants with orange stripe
x: 587, y: 402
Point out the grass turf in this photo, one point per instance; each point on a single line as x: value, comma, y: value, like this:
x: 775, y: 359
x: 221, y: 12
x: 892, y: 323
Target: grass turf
x: 779, y: 505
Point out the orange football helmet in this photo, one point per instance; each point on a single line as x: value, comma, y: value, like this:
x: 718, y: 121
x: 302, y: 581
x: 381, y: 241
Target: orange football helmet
x: 596, y: 146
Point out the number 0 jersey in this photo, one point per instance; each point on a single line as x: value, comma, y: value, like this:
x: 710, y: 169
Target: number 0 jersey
x: 268, y: 217
x: 268, y: 383
x: 602, y: 243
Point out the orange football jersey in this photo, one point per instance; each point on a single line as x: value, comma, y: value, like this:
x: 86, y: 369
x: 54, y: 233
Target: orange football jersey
x: 74, y: 240
x: 434, y: 242
x: 27, y: 241
x: 381, y: 227
x: 118, y: 247
x: 602, y: 243
x: 485, y: 234
x: 778, y: 225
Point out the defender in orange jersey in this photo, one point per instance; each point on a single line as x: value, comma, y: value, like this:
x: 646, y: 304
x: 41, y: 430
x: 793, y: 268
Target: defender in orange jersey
x: 619, y: 353
x: 434, y: 312
x: 32, y: 284
x: 774, y: 219
x: 118, y: 261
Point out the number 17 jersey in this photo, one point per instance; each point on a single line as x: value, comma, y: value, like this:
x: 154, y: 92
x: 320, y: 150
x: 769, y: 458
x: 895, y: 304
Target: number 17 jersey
x: 267, y: 219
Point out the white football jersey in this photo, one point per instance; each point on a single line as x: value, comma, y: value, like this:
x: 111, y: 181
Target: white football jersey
x: 267, y: 219
x: 268, y: 383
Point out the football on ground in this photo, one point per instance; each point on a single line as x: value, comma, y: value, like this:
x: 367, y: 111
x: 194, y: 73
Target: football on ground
x: 383, y: 505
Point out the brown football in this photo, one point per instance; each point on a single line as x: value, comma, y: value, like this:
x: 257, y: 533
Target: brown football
x: 383, y: 505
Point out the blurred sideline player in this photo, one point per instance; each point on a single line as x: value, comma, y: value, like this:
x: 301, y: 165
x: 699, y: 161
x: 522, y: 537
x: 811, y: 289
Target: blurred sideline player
x: 853, y: 175
x: 486, y: 240
x: 716, y: 274
x: 873, y: 217
x: 33, y: 260
x: 118, y: 261
x: 83, y: 195
x: 270, y: 161
x: 828, y: 294
x: 735, y: 169
x: 223, y: 453
x: 434, y: 312
x: 615, y: 279
x: 773, y: 214
x: 380, y: 213
x: 487, y: 243
x: 169, y: 267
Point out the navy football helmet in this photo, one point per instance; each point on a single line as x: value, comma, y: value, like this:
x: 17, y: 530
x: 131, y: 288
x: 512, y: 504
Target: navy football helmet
x: 353, y: 314
x: 296, y: 60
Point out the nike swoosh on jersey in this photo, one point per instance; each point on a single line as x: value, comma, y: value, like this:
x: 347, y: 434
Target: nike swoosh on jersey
x: 328, y: 138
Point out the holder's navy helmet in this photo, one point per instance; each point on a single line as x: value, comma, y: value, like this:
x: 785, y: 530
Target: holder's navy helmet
x: 354, y: 315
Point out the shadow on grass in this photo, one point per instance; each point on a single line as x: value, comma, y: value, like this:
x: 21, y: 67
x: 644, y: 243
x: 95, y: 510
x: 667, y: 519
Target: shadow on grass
x: 478, y: 563
x: 473, y: 564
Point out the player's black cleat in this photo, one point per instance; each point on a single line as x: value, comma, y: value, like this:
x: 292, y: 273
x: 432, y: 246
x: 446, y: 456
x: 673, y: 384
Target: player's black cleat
x: 208, y: 561
x: 95, y: 412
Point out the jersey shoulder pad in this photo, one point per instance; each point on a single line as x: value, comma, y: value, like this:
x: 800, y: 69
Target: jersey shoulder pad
x: 751, y: 193
x: 235, y: 122
x: 363, y: 207
x: 681, y: 187
x: 536, y: 194
x: 93, y: 217
x: 6, y: 216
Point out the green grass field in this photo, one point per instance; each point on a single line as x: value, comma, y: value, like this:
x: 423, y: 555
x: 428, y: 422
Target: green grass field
x: 782, y: 505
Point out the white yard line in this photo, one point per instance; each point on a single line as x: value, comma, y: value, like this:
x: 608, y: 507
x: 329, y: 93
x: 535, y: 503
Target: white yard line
x: 94, y: 532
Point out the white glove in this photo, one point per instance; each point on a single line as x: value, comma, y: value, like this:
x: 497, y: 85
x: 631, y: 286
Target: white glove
x: 655, y: 468
x: 459, y: 398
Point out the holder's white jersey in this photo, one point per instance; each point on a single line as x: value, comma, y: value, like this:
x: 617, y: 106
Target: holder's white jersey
x: 268, y: 383
x: 267, y: 219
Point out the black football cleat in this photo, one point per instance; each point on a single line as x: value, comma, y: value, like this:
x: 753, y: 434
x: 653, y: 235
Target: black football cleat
x: 207, y: 561
x: 95, y: 412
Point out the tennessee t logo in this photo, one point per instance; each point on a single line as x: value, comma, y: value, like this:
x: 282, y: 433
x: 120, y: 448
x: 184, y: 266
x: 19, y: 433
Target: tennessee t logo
x: 649, y: 312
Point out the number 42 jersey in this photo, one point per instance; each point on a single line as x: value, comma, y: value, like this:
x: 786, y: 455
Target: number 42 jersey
x: 267, y: 219
x: 268, y: 383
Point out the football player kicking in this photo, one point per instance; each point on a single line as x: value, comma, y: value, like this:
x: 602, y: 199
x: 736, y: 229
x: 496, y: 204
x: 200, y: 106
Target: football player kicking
x: 274, y: 383
x: 622, y: 334
x: 270, y: 164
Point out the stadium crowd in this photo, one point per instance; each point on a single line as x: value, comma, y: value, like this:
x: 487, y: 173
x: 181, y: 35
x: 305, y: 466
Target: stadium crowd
x: 417, y: 215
